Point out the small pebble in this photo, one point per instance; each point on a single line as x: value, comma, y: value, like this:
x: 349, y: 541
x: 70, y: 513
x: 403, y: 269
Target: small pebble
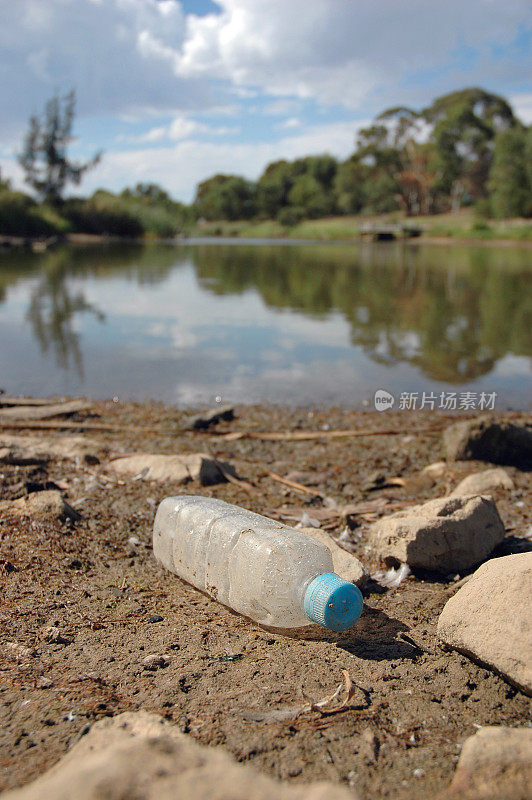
x: 154, y: 662
x: 155, y: 618
x: 54, y: 635
x: 418, y: 773
x: 44, y: 682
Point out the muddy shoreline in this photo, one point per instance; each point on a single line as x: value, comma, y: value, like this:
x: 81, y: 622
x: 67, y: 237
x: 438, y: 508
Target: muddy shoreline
x: 225, y: 677
x: 39, y: 245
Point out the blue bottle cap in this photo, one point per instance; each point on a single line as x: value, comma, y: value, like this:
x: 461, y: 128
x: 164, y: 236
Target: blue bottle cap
x: 332, y: 602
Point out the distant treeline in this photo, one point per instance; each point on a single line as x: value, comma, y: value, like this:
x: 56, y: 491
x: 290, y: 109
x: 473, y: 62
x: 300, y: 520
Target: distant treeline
x: 466, y: 149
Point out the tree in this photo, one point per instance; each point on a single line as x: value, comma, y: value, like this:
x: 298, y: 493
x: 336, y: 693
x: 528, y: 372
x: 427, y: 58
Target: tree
x: 464, y: 126
x: 349, y: 186
x: 308, y: 194
x: 225, y: 197
x: 44, y: 156
x: 381, y: 159
x: 511, y: 193
x: 412, y: 170
x: 273, y: 187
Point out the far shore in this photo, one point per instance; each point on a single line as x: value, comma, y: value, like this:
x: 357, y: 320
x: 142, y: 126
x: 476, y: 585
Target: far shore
x: 40, y: 244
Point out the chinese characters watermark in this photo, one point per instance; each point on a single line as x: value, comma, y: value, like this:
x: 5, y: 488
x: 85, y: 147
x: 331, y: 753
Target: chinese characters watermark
x: 431, y: 401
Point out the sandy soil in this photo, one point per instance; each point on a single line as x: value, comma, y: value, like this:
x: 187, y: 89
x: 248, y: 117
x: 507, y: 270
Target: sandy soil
x: 227, y: 681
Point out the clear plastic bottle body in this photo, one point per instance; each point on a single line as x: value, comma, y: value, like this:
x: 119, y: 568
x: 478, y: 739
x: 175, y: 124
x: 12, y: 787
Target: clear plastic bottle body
x: 254, y: 565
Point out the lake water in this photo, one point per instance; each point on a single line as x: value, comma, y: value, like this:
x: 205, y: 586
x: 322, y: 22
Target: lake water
x: 302, y: 324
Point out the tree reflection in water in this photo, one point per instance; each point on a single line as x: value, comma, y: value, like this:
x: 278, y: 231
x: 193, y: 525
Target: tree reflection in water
x: 451, y: 311
x: 54, y: 307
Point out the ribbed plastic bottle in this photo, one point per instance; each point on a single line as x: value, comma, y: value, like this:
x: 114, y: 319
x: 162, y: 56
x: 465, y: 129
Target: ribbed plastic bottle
x: 263, y: 569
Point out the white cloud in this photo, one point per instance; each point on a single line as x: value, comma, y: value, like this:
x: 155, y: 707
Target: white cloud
x: 180, y: 167
x: 130, y: 56
x: 146, y: 59
x: 341, y: 51
x: 179, y: 128
x: 522, y: 106
x: 289, y: 123
x: 120, y: 55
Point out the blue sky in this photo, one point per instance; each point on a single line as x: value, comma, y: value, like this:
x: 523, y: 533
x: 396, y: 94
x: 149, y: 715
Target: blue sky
x: 175, y: 91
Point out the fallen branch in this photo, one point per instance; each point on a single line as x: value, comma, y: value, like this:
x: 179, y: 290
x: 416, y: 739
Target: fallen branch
x: 343, y: 511
x: 293, y: 484
x: 89, y: 426
x: 305, y: 436
x: 5, y: 400
x: 42, y: 411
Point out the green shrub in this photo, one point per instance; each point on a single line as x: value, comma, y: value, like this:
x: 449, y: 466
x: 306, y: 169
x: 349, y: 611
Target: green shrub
x: 21, y: 216
x: 291, y: 215
x: 88, y: 217
x: 481, y: 226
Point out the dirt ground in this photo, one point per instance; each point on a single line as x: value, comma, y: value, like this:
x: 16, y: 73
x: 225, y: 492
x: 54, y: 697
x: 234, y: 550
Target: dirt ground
x: 227, y: 681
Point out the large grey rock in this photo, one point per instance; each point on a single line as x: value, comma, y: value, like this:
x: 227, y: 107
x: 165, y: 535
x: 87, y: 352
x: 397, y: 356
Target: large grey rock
x: 483, y: 482
x: 140, y: 756
x: 181, y: 469
x: 495, y: 764
x: 346, y: 565
x: 445, y: 535
x: 484, y: 439
x: 40, y: 505
x: 489, y: 618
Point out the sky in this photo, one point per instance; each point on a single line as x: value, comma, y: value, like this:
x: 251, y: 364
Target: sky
x: 174, y: 91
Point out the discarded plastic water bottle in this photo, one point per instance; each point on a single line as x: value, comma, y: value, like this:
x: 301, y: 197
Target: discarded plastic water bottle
x: 263, y: 569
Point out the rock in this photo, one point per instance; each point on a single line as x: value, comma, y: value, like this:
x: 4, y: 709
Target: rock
x: 54, y: 635
x: 18, y: 651
x: 346, y: 565
x: 212, y: 417
x: 181, y: 469
x: 154, y: 661
x: 445, y: 535
x: 40, y: 505
x: 140, y: 755
x: 436, y: 470
x: 489, y: 618
x: 495, y: 764
x: 22, y: 450
x: 484, y: 439
x: 482, y: 482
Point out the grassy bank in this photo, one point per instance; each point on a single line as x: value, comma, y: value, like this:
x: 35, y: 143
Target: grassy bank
x: 461, y: 225
x: 145, y: 212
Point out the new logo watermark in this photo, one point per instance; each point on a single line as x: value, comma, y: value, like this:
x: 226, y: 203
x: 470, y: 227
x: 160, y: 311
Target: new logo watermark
x: 383, y: 400
x: 443, y: 401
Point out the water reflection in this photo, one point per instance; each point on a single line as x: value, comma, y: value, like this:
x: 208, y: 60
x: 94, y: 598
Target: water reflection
x: 447, y: 314
x: 55, y: 305
x: 53, y: 309
x: 450, y: 311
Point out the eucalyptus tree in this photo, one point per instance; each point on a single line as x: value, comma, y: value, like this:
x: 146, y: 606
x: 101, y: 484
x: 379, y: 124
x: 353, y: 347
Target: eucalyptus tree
x: 44, y: 157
